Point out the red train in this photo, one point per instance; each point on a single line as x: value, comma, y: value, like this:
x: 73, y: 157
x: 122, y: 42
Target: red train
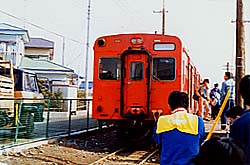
x: 135, y: 73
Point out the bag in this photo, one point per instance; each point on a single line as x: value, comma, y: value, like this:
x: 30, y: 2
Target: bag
x: 196, y: 97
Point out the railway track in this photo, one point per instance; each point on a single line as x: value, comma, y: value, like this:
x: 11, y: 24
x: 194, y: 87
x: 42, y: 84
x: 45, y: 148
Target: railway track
x: 128, y: 156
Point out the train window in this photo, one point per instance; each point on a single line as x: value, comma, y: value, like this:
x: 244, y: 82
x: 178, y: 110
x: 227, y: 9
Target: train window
x: 164, y: 46
x: 136, y: 71
x: 109, y: 69
x: 163, y: 69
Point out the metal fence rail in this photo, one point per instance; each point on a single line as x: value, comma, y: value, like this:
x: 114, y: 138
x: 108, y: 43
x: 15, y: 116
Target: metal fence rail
x: 33, y: 119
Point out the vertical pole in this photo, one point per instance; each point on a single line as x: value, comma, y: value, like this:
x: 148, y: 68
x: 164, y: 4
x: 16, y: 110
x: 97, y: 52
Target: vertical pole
x: 240, y: 51
x: 163, y: 17
x: 63, y: 50
x: 227, y: 66
x: 87, y: 53
x: 24, y: 14
x: 47, y: 124
x: 70, y: 107
x: 87, y: 114
x: 19, y: 119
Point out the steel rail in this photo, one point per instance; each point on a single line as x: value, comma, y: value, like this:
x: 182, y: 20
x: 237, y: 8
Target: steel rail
x: 107, y: 156
x: 149, y: 156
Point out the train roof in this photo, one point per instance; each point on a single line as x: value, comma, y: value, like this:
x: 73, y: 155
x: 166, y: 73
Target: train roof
x: 138, y: 34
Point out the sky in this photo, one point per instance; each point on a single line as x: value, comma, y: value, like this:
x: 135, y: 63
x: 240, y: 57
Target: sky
x: 203, y: 25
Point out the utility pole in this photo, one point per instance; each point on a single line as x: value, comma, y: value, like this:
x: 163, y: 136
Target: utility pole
x: 163, y: 12
x: 24, y: 13
x: 163, y: 16
x: 240, y: 51
x: 87, y: 53
x: 227, y: 66
x: 63, y: 50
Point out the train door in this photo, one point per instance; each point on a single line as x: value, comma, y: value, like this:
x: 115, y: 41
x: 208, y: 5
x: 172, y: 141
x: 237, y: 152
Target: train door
x: 135, y: 85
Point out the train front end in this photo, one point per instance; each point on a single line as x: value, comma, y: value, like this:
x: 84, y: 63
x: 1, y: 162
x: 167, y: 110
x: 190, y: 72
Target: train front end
x: 133, y: 76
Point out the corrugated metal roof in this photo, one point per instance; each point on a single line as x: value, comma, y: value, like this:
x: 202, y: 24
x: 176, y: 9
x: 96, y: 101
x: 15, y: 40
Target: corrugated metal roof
x: 13, y: 30
x: 43, y: 66
x: 5, y: 26
x: 39, y: 43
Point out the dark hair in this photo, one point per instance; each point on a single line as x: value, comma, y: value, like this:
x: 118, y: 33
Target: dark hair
x: 216, y: 85
x: 178, y: 99
x: 235, y: 111
x: 229, y: 75
x: 206, y: 80
x: 220, y: 151
x: 244, y: 89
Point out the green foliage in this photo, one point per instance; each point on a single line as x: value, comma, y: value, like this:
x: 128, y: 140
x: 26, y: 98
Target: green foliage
x: 55, y: 97
x: 81, y: 94
x: 81, y: 104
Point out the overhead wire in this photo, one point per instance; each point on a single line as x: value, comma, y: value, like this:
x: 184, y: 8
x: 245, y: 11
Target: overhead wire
x: 39, y: 27
x: 129, y: 9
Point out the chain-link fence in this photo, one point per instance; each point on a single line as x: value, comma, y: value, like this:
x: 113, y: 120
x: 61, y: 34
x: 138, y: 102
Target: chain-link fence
x: 25, y: 120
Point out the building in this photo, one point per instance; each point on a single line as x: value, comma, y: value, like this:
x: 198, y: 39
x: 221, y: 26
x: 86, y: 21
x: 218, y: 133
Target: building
x: 15, y: 43
x: 39, y: 48
x: 83, y: 84
x: 57, y: 77
x: 12, y: 40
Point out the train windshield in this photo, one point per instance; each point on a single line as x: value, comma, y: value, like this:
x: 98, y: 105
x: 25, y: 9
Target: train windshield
x: 109, y: 69
x: 30, y: 83
x: 163, y: 68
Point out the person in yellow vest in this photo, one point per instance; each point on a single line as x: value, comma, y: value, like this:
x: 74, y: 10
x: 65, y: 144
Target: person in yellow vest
x: 179, y: 134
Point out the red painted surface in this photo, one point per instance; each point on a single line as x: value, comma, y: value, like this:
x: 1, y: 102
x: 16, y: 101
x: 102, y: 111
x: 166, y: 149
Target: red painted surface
x: 107, y: 93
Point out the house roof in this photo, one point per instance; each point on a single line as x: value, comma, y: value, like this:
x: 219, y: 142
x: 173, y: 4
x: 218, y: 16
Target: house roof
x: 43, y: 66
x: 7, y: 29
x: 39, y: 43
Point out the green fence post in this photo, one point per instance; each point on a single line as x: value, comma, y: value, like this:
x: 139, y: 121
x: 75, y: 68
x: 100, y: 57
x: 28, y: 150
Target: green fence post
x: 87, y: 106
x: 47, y: 124
x: 70, y: 107
x: 18, y: 120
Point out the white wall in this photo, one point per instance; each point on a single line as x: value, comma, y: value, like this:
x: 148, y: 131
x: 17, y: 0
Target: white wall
x: 69, y: 92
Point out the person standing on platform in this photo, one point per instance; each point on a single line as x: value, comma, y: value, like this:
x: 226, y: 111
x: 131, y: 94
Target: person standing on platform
x: 226, y: 85
x: 203, y: 93
x: 215, y: 100
x: 240, y: 129
x: 179, y: 134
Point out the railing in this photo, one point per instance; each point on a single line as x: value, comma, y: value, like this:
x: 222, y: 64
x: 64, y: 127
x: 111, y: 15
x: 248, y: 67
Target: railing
x: 6, y: 86
x: 7, y: 56
x: 35, y: 121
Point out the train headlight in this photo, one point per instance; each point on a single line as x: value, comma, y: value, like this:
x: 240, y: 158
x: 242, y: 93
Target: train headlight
x: 136, y: 41
x: 139, y: 41
x: 133, y: 41
x: 101, y: 42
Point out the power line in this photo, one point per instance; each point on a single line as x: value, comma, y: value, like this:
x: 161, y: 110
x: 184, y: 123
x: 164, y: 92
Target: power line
x: 39, y: 27
x: 129, y: 9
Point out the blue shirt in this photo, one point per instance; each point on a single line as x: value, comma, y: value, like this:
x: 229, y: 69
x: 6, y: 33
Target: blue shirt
x: 240, y: 131
x: 226, y: 85
x: 215, y: 94
x: 179, y: 147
